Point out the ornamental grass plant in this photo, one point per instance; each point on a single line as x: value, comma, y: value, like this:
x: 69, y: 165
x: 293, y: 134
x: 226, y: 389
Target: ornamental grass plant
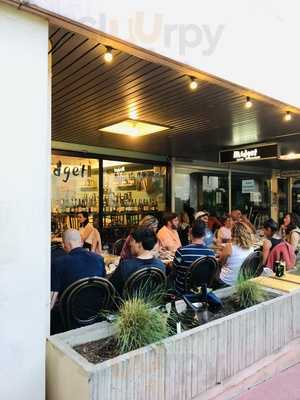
x: 139, y: 324
x: 248, y: 293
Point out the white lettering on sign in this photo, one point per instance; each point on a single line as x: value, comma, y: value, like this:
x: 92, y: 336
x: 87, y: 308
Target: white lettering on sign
x: 120, y: 169
x: 249, y: 186
x: 242, y: 155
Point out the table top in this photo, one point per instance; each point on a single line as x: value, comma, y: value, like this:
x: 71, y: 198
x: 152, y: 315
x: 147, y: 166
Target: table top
x: 283, y: 284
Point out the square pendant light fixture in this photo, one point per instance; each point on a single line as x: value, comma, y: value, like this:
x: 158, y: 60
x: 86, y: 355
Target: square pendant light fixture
x: 133, y: 127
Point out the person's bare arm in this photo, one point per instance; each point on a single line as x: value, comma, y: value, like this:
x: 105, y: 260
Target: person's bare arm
x: 219, y: 239
x: 85, y: 233
x: 294, y: 240
x: 54, y: 296
x: 266, y: 250
x: 225, y: 253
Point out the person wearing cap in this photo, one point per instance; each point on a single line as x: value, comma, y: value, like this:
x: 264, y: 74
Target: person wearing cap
x: 209, y: 237
x: 149, y: 222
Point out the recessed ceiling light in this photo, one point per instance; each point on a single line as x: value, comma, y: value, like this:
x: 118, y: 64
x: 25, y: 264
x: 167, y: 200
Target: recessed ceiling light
x: 132, y: 127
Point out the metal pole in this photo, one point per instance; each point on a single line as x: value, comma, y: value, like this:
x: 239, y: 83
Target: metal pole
x: 290, y: 194
x: 229, y: 191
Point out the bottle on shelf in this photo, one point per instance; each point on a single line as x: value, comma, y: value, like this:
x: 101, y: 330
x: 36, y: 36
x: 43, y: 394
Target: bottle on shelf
x: 145, y: 205
x: 140, y: 206
x: 67, y: 206
x: 72, y: 205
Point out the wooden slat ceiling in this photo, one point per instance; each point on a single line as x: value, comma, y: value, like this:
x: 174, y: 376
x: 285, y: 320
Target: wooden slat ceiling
x: 87, y: 94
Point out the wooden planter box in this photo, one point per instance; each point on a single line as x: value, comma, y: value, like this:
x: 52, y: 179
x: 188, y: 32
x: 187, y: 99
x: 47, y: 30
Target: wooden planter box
x: 183, y: 366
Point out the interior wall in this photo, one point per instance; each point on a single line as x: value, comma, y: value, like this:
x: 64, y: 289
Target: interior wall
x: 24, y: 204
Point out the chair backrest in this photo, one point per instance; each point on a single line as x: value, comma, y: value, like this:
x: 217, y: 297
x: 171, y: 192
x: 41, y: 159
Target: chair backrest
x: 82, y: 302
x: 202, y: 273
x: 252, y: 265
x: 118, y: 246
x: 145, y: 282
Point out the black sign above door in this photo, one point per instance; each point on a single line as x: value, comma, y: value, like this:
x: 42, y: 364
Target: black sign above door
x: 251, y: 153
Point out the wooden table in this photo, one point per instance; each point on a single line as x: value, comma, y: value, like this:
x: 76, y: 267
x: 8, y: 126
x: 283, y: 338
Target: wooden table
x: 287, y: 283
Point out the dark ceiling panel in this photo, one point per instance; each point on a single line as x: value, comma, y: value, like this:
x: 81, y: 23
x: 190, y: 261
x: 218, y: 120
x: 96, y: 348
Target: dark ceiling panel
x: 88, y: 94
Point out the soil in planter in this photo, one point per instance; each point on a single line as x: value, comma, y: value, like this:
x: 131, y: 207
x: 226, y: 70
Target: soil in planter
x: 99, y: 350
x: 104, y: 349
x: 230, y: 306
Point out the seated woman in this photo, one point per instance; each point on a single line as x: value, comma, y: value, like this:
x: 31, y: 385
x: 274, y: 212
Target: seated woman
x: 234, y: 254
x: 184, y: 227
x: 142, y: 243
x: 290, y: 230
x: 90, y: 236
x: 149, y: 222
x: 270, y: 228
x: 85, y: 229
x: 224, y: 233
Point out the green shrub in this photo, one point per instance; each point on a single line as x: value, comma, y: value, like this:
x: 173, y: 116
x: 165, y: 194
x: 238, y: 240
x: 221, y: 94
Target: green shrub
x: 139, y: 324
x: 248, y: 293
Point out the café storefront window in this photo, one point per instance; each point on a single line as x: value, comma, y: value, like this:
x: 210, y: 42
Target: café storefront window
x: 116, y: 194
x: 283, y: 188
x: 75, y: 188
x: 252, y: 195
x: 201, y: 190
x: 131, y: 191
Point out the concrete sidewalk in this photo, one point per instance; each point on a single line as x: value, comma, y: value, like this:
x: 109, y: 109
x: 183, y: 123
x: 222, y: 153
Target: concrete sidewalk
x: 282, y: 386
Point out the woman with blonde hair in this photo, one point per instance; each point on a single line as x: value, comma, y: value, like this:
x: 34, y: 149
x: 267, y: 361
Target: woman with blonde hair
x: 234, y: 254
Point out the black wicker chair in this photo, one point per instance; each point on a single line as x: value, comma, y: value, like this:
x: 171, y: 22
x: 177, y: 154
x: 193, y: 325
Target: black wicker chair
x: 118, y: 246
x: 201, y: 275
x: 252, y: 266
x: 145, y: 282
x: 82, y: 302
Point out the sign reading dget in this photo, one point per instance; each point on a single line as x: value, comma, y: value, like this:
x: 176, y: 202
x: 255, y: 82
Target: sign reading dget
x: 67, y: 171
x: 252, y: 153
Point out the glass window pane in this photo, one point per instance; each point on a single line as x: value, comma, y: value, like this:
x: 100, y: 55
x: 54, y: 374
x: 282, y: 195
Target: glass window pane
x: 131, y: 191
x: 282, y: 197
x: 75, y: 188
x: 251, y: 194
x: 296, y: 195
x: 199, y: 190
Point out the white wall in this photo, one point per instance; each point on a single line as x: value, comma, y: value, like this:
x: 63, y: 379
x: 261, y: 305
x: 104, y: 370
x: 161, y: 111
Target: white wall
x: 250, y: 42
x: 24, y: 204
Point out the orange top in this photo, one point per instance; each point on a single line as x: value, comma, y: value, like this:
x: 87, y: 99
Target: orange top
x: 169, y: 238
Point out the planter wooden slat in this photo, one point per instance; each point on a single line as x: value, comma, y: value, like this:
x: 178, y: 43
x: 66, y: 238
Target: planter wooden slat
x: 181, y: 367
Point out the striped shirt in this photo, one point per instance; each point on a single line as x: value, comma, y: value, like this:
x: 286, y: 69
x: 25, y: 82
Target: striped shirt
x: 184, y: 258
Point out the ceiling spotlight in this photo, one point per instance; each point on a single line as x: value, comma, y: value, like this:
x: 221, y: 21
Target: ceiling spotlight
x: 248, y: 103
x: 108, y: 56
x: 288, y: 116
x: 193, y: 84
